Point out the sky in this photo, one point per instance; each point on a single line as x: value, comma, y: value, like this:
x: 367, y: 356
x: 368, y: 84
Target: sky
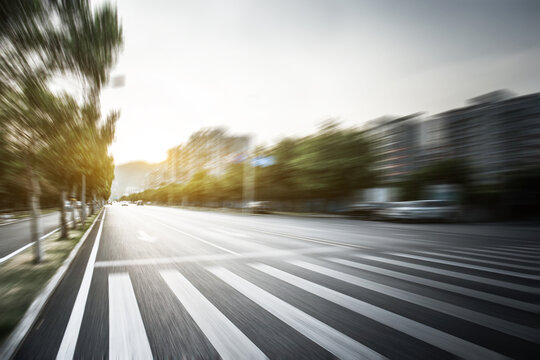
x: 276, y: 68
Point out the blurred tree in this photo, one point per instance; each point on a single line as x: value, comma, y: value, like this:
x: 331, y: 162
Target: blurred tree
x: 38, y: 40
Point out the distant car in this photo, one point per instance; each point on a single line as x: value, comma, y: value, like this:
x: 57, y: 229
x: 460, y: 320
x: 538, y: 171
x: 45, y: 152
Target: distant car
x: 422, y: 210
x: 139, y: 203
x: 258, y: 207
x: 67, y: 205
x: 124, y: 203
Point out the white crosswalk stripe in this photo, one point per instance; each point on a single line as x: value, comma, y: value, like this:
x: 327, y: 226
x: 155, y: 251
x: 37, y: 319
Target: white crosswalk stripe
x: 127, y: 336
x: 501, y: 300
x: 327, y: 337
x: 482, y: 319
x: 527, y: 255
x: 468, y: 266
x: 449, y: 343
x: 455, y: 274
x: 490, y: 262
x: 527, y: 248
x: 492, y: 256
x: 519, y: 252
x: 226, y: 338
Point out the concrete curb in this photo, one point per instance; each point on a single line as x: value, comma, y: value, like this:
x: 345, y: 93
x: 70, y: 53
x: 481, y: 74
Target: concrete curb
x: 12, y: 343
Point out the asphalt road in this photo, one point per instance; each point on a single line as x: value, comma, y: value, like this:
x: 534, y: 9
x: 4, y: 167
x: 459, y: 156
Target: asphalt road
x: 171, y: 283
x: 16, y: 235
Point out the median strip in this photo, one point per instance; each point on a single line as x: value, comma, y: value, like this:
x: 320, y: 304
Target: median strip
x: 25, y: 287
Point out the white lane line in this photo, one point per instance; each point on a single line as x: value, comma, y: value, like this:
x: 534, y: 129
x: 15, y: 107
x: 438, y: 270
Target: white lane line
x: 532, y: 252
x: 195, y: 237
x: 69, y: 341
x: 531, y: 248
x: 507, y: 327
x: 468, y: 266
x: 127, y: 336
x: 215, y: 257
x: 327, y: 337
x: 501, y: 300
x: 455, y: 274
x: 234, y: 234
x: 490, y: 262
x: 141, y: 235
x: 9, y: 256
x: 437, y: 338
x: 508, y: 254
x: 500, y: 257
x: 226, y: 338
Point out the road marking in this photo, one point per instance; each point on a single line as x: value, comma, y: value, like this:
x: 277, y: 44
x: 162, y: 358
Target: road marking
x: 327, y: 337
x: 501, y: 300
x: 127, y: 336
x: 521, y: 248
x: 507, y: 327
x: 226, y: 338
x: 500, y: 257
x: 69, y: 341
x: 214, y: 257
x: 491, y: 262
x: 9, y: 256
x: 320, y: 241
x: 518, y: 251
x: 468, y: 266
x: 235, y: 234
x: 195, y: 237
x: 508, y: 254
x: 455, y: 274
x: 141, y: 235
x: 440, y: 339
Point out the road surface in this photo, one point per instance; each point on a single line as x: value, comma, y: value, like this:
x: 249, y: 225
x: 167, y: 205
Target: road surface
x: 154, y: 282
x: 16, y: 235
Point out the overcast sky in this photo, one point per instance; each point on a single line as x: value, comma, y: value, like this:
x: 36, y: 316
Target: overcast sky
x: 278, y: 68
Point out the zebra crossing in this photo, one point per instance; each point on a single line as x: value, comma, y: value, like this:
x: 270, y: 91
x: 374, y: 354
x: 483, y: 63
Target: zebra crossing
x: 459, y: 307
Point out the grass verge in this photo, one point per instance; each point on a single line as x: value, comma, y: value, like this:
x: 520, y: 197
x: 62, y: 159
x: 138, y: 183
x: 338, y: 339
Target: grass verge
x: 21, y: 280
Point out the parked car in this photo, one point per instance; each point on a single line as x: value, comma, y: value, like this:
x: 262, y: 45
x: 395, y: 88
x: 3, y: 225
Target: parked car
x: 365, y: 210
x: 139, y: 203
x: 423, y: 210
x: 124, y: 203
x: 258, y: 207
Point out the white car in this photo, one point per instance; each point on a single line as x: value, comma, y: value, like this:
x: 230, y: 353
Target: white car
x: 422, y: 210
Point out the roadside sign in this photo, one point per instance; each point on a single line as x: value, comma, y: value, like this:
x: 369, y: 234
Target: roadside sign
x: 263, y: 161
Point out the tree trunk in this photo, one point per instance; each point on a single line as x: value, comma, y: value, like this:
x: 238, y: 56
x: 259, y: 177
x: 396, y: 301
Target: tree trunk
x: 35, y: 232
x: 73, y: 207
x: 83, y: 199
x: 63, y: 217
x: 93, y: 203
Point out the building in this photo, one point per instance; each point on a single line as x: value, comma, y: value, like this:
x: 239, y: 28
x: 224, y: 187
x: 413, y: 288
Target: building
x: 212, y: 150
x: 494, y: 134
x: 395, y: 142
x: 158, y: 177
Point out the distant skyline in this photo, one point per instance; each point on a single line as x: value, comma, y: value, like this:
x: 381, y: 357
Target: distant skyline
x: 279, y: 68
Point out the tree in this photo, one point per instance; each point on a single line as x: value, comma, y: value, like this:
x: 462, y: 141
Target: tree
x: 40, y: 40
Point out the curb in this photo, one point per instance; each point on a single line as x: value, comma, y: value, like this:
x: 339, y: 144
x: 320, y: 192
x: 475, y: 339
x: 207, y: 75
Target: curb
x: 17, y: 336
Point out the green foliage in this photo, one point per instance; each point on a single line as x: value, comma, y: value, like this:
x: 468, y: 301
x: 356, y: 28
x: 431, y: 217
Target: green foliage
x: 46, y: 137
x: 330, y: 164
